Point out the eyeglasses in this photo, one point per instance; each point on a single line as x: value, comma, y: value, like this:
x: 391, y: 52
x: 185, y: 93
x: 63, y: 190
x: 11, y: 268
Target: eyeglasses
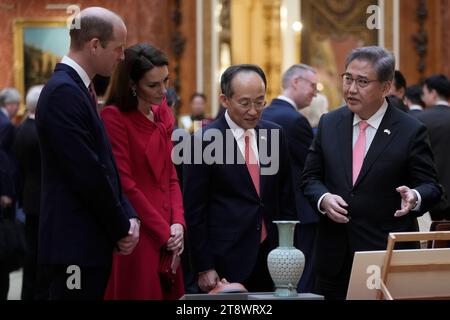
x: 313, y: 84
x: 360, y: 82
x: 246, y: 104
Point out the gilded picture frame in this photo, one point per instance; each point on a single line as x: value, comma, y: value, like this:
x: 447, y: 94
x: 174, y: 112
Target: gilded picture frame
x: 38, y: 46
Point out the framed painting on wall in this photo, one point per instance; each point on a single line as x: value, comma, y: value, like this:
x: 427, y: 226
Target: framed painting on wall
x: 38, y: 46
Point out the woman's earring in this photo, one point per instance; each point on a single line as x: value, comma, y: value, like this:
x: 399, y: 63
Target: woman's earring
x: 133, y: 92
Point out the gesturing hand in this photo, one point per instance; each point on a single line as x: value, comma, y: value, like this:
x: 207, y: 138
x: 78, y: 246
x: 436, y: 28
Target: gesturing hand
x: 409, y: 200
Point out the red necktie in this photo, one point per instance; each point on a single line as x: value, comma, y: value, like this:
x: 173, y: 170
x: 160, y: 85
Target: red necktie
x: 359, y: 150
x: 253, y: 169
x: 93, y: 94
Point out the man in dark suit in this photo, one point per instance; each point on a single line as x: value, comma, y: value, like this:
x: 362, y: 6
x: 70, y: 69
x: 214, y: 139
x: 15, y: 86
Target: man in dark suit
x: 413, y: 99
x: 84, y: 215
x: 436, y: 117
x: 26, y: 150
x: 369, y: 171
x: 9, y: 105
x: 230, y: 202
x: 299, y: 87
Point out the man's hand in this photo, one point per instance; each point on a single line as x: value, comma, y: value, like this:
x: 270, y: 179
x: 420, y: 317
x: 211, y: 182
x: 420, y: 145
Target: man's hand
x: 335, y: 206
x: 5, y: 201
x: 127, y: 244
x: 176, y: 240
x: 208, y: 280
x: 409, y: 200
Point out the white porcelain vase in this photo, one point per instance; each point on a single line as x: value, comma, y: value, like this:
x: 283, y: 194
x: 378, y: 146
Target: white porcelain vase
x: 286, y: 263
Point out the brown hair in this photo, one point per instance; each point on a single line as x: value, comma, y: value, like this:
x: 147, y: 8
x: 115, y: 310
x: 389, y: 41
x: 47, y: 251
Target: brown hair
x: 139, y: 59
x: 91, y: 27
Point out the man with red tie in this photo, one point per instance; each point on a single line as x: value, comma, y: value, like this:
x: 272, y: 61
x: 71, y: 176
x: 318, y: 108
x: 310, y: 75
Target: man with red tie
x: 368, y: 172
x: 230, y: 203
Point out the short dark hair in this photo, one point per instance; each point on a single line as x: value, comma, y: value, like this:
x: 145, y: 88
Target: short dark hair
x: 414, y: 94
x: 229, y: 74
x: 382, y: 61
x: 139, y: 59
x: 91, y: 26
x: 440, y: 83
x: 399, y: 80
x: 198, y: 94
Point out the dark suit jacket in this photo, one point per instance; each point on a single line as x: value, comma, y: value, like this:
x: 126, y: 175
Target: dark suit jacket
x: 399, y: 155
x: 26, y: 149
x: 7, y: 160
x: 299, y: 136
x: 83, y: 212
x: 437, y: 121
x: 223, y: 210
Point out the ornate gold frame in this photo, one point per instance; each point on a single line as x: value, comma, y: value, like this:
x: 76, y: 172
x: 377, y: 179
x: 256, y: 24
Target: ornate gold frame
x: 18, y: 31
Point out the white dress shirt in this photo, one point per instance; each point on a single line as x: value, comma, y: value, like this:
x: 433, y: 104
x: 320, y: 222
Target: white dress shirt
x: 238, y: 134
x: 288, y: 100
x: 443, y: 102
x: 83, y: 75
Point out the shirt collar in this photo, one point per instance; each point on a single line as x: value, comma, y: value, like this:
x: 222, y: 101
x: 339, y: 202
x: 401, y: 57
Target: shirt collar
x: 288, y: 100
x: 238, y: 132
x: 375, y: 120
x: 415, y: 107
x: 443, y: 103
x: 83, y: 75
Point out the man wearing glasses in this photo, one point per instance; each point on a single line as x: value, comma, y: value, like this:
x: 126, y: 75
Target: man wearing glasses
x: 369, y: 171
x: 230, y: 205
x: 299, y: 84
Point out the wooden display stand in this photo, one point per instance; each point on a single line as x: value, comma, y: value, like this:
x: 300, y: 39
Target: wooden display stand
x: 405, y: 274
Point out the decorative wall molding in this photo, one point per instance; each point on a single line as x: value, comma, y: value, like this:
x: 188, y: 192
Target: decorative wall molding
x: 420, y: 39
x: 178, y: 42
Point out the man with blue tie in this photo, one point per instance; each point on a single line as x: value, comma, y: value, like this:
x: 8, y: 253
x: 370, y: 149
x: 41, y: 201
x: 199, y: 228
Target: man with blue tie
x: 369, y: 171
x: 84, y: 216
x: 230, y: 203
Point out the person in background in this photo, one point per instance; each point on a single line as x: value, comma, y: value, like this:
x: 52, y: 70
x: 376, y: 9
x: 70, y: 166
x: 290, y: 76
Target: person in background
x: 397, y: 91
x: 413, y: 99
x: 436, y: 117
x: 313, y: 112
x: 299, y: 84
x: 197, y: 118
x: 27, y: 152
x: 9, y: 105
x: 139, y: 125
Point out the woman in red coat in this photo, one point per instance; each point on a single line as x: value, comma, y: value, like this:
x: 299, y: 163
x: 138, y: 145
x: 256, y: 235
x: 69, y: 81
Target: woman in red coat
x: 139, y: 125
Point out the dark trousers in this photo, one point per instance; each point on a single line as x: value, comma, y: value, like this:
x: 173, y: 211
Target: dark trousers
x: 305, y: 238
x: 4, y: 281
x: 335, y: 287
x: 30, y: 264
x: 93, y: 282
x: 260, y: 280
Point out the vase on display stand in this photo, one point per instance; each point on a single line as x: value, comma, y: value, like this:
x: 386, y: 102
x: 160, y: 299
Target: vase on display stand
x: 286, y: 263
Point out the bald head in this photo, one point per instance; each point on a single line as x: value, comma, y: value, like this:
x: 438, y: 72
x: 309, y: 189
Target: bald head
x: 95, y: 22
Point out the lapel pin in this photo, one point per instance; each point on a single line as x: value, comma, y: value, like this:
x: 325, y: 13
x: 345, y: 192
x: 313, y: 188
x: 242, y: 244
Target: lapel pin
x: 387, y: 131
